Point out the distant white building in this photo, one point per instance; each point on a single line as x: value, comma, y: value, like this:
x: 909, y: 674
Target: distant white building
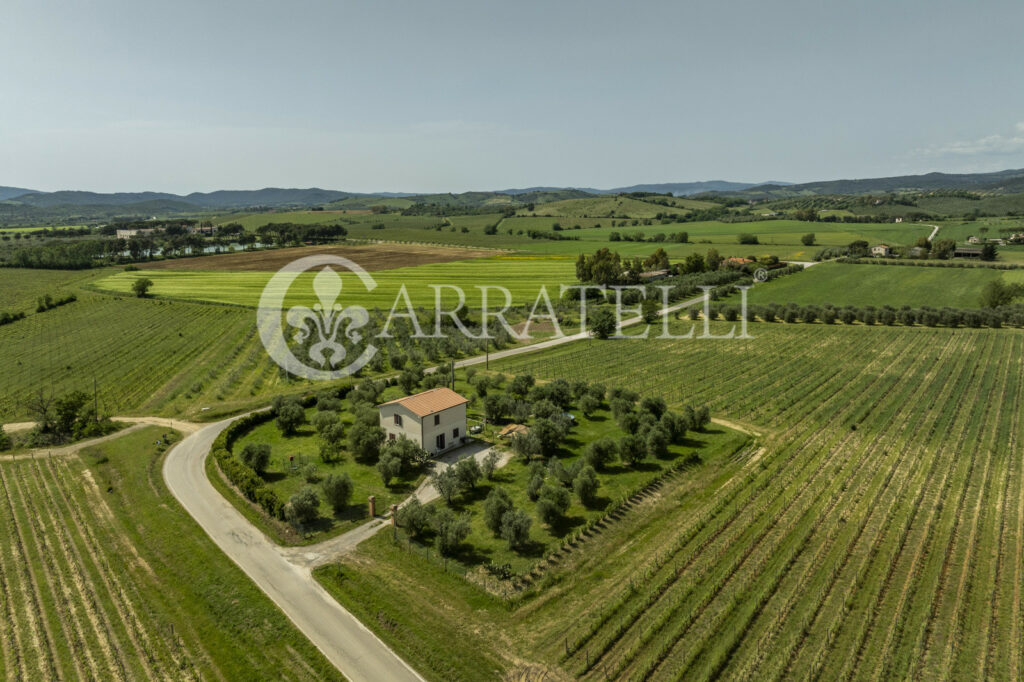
x: 435, y: 419
x: 973, y: 240
x: 881, y: 250
x: 141, y: 232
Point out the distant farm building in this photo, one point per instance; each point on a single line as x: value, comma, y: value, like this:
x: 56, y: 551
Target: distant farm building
x: 652, y: 275
x: 737, y: 262
x: 967, y: 252
x: 435, y: 419
x: 973, y: 240
x: 881, y: 250
x: 137, y: 232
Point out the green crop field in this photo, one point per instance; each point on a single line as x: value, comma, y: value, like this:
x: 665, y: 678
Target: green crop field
x: 879, y: 533
x: 105, y: 577
x: 523, y: 276
x: 19, y: 289
x: 146, y: 355
x: 878, y: 285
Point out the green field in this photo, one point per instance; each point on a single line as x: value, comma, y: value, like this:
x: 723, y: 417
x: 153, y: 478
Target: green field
x: 147, y: 356
x: 286, y: 476
x: 878, y: 285
x: 19, y: 289
x: 878, y: 535
x: 778, y: 237
x: 523, y: 276
x: 104, y: 576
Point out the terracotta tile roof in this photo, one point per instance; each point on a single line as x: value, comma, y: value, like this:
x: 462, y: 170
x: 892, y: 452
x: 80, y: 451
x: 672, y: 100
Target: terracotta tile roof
x: 429, y: 402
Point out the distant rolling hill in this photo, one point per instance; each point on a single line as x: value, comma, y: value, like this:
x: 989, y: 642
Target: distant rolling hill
x: 679, y: 189
x: 1007, y: 181
x: 25, y: 206
x: 11, y: 192
x: 221, y: 199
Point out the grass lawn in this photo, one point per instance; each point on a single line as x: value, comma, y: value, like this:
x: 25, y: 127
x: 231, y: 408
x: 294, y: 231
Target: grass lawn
x: 285, y: 476
x: 896, y: 285
x: 617, y: 481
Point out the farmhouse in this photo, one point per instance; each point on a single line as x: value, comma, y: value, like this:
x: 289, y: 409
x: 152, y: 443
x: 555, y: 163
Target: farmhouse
x: 881, y: 250
x: 435, y: 419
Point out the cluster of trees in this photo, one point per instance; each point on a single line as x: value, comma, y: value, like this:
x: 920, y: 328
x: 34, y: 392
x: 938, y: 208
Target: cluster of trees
x: 48, y: 302
x: 998, y: 293
x: 74, y: 255
x: 607, y: 267
x: 7, y: 318
x: 283, y: 234
x: 65, y: 418
x: 677, y: 237
x: 449, y: 530
x: 1012, y: 315
x: 304, y: 506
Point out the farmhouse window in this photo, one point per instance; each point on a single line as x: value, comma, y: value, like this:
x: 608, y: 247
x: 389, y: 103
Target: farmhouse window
x: 437, y: 419
x: 398, y: 420
x: 455, y: 434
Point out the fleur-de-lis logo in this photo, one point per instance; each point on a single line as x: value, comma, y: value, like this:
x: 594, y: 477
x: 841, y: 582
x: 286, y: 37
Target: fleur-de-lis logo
x: 328, y: 324
x: 325, y: 319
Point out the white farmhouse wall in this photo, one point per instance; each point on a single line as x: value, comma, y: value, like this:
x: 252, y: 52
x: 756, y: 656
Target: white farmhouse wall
x: 451, y: 421
x: 411, y: 427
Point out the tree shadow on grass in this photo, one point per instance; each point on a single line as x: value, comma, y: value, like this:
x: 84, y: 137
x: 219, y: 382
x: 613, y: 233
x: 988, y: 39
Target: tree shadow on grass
x: 470, y: 555
x: 352, y: 512
x: 320, y: 524
x: 469, y: 497
x: 502, y: 476
x: 273, y: 476
x: 532, y: 549
x: 304, y: 431
x: 690, y: 441
x: 599, y: 502
x: 563, y: 526
x: 646, y: 465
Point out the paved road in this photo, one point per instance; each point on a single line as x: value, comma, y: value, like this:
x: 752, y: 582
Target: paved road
x: 346, y: 642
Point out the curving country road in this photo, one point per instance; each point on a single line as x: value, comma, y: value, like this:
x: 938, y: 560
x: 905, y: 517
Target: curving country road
x: 345, y: 641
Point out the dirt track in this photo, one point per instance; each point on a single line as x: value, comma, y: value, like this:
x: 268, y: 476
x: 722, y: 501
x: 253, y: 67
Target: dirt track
x: 368, y: 256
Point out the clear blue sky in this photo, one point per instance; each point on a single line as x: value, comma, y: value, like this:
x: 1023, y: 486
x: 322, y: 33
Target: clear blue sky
x: 180, y: 96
